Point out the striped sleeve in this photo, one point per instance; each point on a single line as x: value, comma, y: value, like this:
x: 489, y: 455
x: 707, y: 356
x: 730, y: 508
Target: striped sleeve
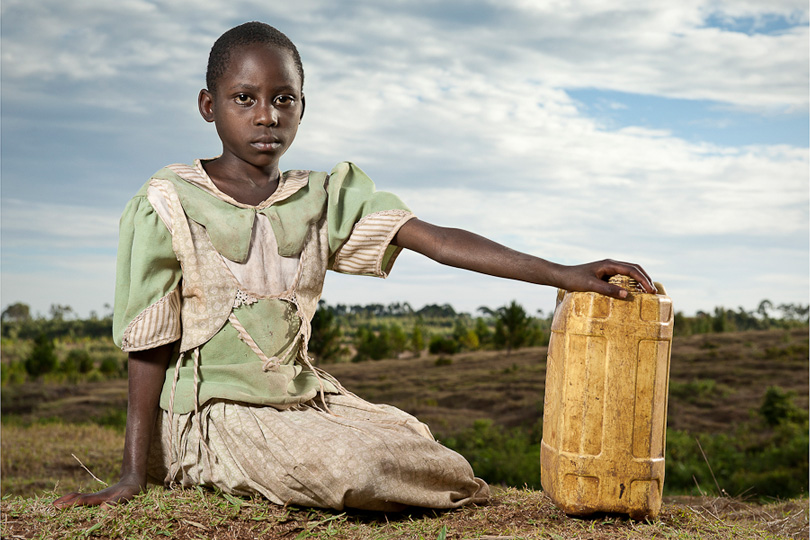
x: 157, y: 325
x: 368, y: 251
x: 148, y: 275
x: 362, y: 222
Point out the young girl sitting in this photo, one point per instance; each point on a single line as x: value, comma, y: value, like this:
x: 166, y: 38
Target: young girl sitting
x: 220, y: 268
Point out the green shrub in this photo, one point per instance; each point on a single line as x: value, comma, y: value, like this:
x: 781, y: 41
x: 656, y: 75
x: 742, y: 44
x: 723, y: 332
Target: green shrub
x: 81, y: 359
x: 443, y: 345
x: 110, y: 366
x: 387, y: 342
x: 13, y: 373
x: 499, y: 455
x: 42, y: 358
x: 512, y: 327
x: 417, y: 339
x: 778, y: 407
x: 483, y: 332
x: 324, y: 344
x: 762, y: 458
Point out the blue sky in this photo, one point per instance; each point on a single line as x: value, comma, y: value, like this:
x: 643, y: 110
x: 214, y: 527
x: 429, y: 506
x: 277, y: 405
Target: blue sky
x: 671, y: 134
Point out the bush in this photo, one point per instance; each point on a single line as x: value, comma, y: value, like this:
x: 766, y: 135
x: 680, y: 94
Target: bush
x: 13, y: 373
x: 385, y: 343
x: 778, y: 407
x: 769, y: 463
x: 82, y: 358
x: 483, y: 332
x: 42, y: 359
x: 110, y: 366
x: 512, y: 327
x: 326, y: 335
x: 443, y: 345
x: 501, y: 456
x: 417, y: 339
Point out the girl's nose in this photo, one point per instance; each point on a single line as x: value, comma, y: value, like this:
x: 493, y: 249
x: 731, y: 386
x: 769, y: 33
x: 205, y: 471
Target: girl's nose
x: 267, y: 116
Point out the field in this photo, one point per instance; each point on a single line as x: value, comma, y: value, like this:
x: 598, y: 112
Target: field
x: 716, y: 381
x: 718, y: 384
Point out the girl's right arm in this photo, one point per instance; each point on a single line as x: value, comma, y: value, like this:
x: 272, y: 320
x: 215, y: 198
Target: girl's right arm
x: 147, y: 371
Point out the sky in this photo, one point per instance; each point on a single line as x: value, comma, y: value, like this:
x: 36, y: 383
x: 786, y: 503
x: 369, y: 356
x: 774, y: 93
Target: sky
x: 671, y: 134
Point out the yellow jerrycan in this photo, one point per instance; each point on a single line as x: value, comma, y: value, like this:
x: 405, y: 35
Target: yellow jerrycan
x: 605, y: 409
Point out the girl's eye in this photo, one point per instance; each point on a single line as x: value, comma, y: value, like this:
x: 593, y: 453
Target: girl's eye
x: 284, y: 100
x: 243, y: 99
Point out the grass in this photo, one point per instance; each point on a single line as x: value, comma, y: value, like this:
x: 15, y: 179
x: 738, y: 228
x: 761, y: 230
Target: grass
x: 39, y: 457
x: 512, y: 514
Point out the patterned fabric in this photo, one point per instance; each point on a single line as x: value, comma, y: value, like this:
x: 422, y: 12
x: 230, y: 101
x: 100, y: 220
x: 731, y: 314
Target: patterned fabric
x: 361, y: 455
x: 362, y: 253
x: 244, y: 410
x: 157, y: 325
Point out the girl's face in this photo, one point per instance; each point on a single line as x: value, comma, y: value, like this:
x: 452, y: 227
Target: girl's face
x: 256, y: 107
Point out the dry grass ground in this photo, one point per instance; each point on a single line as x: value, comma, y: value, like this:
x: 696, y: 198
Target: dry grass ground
x: 512, y: 514
x: 40, y: 458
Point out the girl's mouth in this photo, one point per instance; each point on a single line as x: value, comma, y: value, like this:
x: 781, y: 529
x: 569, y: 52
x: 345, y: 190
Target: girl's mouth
x: 266, y: 145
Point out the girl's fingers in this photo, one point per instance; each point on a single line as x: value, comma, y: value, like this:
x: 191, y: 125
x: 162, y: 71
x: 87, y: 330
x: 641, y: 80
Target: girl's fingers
x: 66, y: 500
x: 103, y: 498
x: 634, y: 271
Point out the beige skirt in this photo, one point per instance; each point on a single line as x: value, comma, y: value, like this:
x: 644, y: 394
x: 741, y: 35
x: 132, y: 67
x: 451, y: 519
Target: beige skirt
x: 355, y: 454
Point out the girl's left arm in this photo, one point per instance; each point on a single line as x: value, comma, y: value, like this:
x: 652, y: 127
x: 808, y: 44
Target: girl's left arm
x: 463, y: 249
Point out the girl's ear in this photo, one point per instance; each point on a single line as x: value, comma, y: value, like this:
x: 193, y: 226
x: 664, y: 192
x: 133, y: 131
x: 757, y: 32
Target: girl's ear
x: 205, y: 102
x: 303, y: 107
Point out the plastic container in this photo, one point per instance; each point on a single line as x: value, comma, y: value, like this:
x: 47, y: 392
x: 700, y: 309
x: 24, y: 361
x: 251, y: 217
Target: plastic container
x: 604, y: 418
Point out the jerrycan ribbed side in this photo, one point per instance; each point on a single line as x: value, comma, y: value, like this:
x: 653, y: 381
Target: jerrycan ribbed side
x: 604, y: 416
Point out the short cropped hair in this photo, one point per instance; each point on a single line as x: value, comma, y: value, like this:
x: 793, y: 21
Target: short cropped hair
x: 246, y: 34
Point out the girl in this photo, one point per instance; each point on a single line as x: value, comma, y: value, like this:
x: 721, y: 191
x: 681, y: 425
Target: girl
x: 220, y: 268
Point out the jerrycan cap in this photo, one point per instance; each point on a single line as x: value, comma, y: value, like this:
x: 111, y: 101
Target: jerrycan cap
x: 631, y: 285
x: 626, y: 282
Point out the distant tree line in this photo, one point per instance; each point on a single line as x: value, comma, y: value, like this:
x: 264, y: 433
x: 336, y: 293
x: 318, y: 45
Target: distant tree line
x: 765, y: 317
x: 18, y: 323
x: 375, y: 331
x: 394, y: 309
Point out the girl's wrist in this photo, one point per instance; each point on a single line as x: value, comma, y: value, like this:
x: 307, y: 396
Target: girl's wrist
x: 551, y: 274
x: 133, y: 477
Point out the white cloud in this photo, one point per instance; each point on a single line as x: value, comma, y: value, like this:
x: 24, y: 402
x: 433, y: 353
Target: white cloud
x: 460, y: 108
x: 84, y: 226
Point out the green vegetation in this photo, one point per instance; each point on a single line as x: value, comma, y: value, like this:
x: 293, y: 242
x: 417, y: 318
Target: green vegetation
x: 325, y: 342
x: 42, y: 358
x: 376, y: 331
x: 766, y: 457
x: 502, y: 456
x: 727, y: 320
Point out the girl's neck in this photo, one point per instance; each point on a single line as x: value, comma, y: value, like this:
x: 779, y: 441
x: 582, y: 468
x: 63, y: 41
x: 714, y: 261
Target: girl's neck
x: 251, y: 187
